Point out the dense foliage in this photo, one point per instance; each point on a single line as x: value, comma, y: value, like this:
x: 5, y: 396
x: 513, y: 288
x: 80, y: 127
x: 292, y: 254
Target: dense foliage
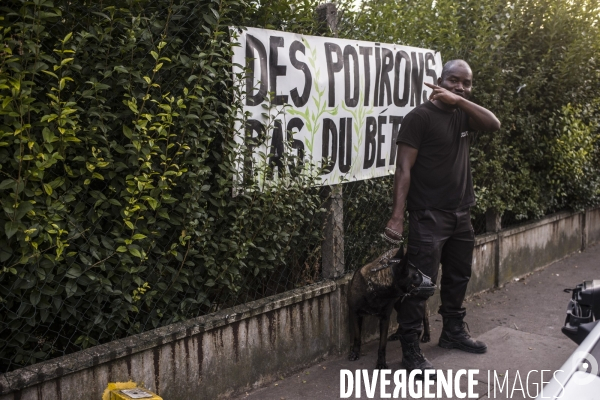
x: 117, y: 165
x: 117, y: 158
x: 535, y: 64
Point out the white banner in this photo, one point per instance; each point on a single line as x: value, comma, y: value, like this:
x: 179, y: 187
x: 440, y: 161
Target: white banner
x: 337, y: 102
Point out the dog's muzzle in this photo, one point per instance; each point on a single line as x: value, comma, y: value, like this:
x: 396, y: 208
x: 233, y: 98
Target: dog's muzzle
x: 425, y: 290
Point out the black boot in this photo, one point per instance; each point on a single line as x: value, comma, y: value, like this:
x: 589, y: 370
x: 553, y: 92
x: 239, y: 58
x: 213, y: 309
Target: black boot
x: 412, y: 356
x: 455, y: 336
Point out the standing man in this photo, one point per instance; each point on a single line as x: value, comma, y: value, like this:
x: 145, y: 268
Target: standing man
x: 433, y: 176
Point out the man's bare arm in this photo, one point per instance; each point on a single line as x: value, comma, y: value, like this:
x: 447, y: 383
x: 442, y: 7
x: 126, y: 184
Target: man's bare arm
x: 480, y: 118
x: 405, y: 159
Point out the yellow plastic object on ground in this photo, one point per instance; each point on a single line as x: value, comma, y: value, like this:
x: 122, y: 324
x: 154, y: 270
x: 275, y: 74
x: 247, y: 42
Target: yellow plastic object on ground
x: 127, y: 391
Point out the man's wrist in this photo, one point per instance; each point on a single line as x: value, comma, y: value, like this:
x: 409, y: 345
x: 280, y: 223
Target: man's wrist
x: 398, y: 215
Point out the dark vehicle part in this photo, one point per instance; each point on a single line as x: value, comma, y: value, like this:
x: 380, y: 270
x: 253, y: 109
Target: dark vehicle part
x: 583, y: 311
x: 579, y: 377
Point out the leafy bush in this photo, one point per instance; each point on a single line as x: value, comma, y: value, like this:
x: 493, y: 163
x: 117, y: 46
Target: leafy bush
x: 532, y: 61
x: 367, y: 208
x: 117, y: 161
x: 573, y: 156
x: 117, y: 158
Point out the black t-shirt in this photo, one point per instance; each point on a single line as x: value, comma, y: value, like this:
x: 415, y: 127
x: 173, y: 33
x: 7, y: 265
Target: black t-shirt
x: 441, y: 176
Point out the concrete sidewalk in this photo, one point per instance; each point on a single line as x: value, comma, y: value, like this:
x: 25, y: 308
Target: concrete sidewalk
x: 519, y: 322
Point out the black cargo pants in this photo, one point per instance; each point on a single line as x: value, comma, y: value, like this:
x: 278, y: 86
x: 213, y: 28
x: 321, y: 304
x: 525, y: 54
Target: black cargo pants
x: 438, y: 236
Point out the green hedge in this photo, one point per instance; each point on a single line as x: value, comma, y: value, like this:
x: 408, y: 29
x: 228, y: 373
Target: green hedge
x: 117, y: 158
x: 535, y: 64
x: 117, y: 164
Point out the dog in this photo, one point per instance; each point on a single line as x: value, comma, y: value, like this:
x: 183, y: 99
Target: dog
x: 374, y: 290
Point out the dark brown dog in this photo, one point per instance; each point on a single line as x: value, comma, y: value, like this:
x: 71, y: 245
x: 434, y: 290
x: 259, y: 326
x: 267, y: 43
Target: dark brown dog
x: 374, y: 290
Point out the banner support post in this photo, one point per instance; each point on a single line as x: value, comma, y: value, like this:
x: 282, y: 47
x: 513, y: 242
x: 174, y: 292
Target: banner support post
x: 327, y: 14
x: 332, y: 251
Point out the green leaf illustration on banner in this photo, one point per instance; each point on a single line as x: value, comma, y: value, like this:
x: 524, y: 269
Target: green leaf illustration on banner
x: 359, y: 115
x: 313, y: 119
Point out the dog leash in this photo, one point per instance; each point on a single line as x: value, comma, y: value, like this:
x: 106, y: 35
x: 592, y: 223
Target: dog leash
x: 386, y: 262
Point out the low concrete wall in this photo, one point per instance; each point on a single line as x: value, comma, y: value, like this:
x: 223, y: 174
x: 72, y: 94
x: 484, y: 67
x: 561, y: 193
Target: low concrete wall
x: 484, y: 271
x: 234, y: 350
x: 592, y: 225
x: 534, y: 245
x: 204, y: 358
